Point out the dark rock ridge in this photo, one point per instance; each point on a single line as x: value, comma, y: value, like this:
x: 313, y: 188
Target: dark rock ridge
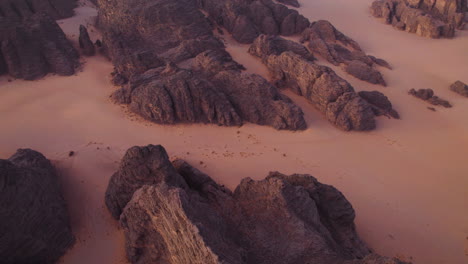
x: 86, y: 45
x: 460, y: 88
x: 427, y: 18
x: 34, y: 221
x: 34, y: 46
x: 247, y: 19
x: 428, y: 95
x: 290, y: 67
x: 57, y: 9
x: 380, y: 103
x: 174, y: 213
x: 326, y: 41
x: 178, y: 71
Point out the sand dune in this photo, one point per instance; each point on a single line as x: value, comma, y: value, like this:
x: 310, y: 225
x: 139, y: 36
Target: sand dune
x: 407, y: 180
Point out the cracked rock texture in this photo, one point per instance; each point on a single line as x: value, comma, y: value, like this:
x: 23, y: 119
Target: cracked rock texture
x: 427, y: 18
x: 178, y: 214
x: 34, y: 221
x: 292, y: 68
x: 428, y: 95
x: 326, y: 41
x: 173, y: 69
x: 460, y: 87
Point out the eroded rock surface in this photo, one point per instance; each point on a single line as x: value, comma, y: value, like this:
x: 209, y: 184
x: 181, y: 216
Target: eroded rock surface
x: 427, y: 18
x: 180, y: 215
x: 86, y: 45
x: 428, y: 95
x: 33, y: 46
x: 380, y: 103
x: 460, y: 87
x: 326, y: 41
x: 178, y: 71
x: 291, y: 67
x: 34, y: 221
x: 247, y: 19
x: 57, y: 9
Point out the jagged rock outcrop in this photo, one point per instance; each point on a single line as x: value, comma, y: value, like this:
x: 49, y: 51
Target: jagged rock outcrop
x: 86, y: 45
x: 428, y: 95
x: 427, y: 18
x: 34, y: 221
x: 294, y: 3
x: 178, y: 71
x: 460, y: 88
x: 57, y: 9
x: 380, y: 103
x: 180, y: 215
x: 34, y: 46
x: 247, y: 19
x: 291, y: 68
x: 326, y: 41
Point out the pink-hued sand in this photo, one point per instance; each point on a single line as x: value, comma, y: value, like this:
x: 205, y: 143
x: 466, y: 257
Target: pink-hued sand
x: 408, y: 180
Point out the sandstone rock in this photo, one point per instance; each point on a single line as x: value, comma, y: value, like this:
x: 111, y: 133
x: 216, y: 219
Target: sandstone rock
x: 327, y: 42
x: 34, y: 221
x: 460, y: 88
x: 34, y: 46
x: 246, y: 19
x: 85, y: 42
x: 57, y: 9
x: 380, y: 103
x: 428, y: 95
x: 178, y: 71
x: 282, y: 219
x: 427, y: 18
x: 320, y: 85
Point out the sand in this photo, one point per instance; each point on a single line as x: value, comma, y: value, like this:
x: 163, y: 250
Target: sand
x: 407, y: 180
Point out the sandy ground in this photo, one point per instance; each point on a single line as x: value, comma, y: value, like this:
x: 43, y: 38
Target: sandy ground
x: 408, y: 180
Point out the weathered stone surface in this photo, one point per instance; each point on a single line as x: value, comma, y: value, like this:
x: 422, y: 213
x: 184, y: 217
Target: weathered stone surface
x: 460, y: 88
x: 56, y: 9
x: 320, y: 85
x: 327, y: 42
x: 427, y: 18
x: 178, y: 71
x: 380, y: 103
x: 34, y: 46
x: 85, y: 42
x: 247, y: 19
x: 34, y: 221
x: 294, y: 3
x: 428, y: 95
x: 282, y: 219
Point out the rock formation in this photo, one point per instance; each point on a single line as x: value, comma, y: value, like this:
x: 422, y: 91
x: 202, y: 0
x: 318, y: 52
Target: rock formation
x: 428, y: 95
x: 290, y: 66
x: 326, y: 41
x: 294, y: 3
x: 174, y: 213
x: 33, y: 46
x: 460, y: 88
x: 247, y: 19
x: 380, y: 103
x: 85, y: 42
x: 178, y: 71
x: 427, y: 18
x: 34, y: 222
x: 56, y: 9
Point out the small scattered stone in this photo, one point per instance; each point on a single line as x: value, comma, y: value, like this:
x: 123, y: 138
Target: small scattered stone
x: 431, y: 108
x: 71, y: 153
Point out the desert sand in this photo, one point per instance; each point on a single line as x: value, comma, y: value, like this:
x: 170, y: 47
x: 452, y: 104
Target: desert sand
x: 407, y: 180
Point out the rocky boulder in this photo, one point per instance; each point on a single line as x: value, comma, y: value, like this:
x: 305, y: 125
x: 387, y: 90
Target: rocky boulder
x: 428, y: 95
x: 380, y: 103
x: 427, y: 18
x: 247, y: 19
x: 34, y: 221
x: 320, y: 85
x: 34, y: 46
x: 460, y: 88
x: 86, y: 45
x: 178, y: 71
x: 281, y: 219
x: 326, y: 41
